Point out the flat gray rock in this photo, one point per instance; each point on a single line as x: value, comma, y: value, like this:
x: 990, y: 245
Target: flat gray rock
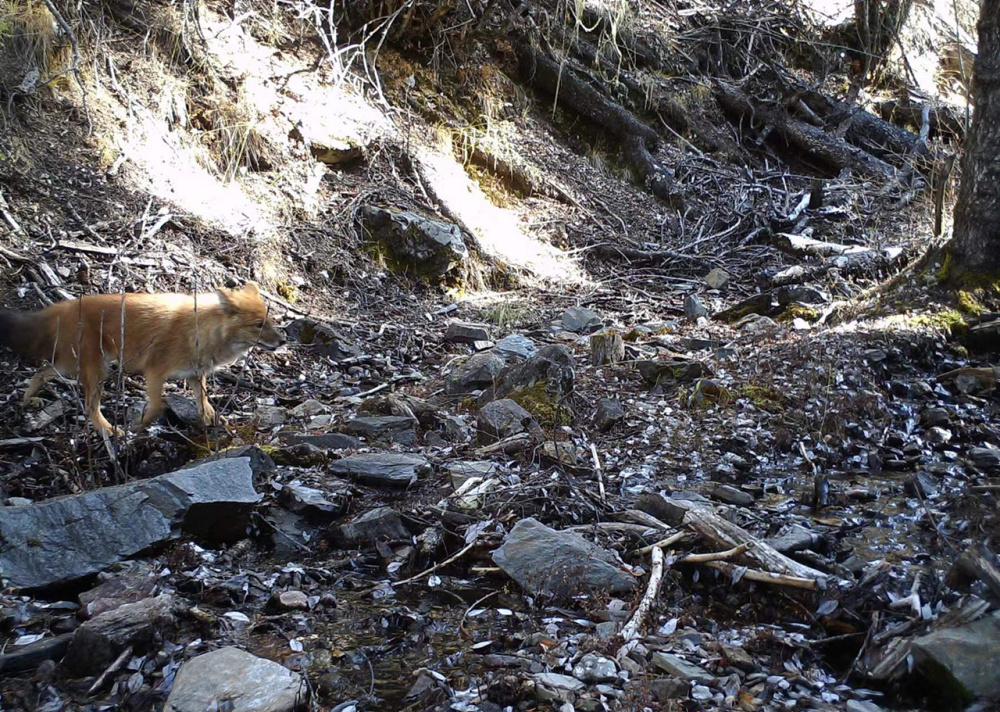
x: 515, y: 347
x: 235, y: 677
x: 382, y: 524
x: 463, y: 332
x: 395, y: 428
x: 381, y: 469
x: 66, y: 539
x: 580, y: 320
x: 323, y: 441
x: 680, y: 668
x: 543, y: 560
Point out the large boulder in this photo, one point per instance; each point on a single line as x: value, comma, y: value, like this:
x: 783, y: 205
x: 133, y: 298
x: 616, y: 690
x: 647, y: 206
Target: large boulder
x: 541, y: 385
x: 430, y: 248
x: 561, y: 564
x: 67, y: 539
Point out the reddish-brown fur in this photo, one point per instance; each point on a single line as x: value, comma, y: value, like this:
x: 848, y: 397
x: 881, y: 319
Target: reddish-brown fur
x: 165, y: 336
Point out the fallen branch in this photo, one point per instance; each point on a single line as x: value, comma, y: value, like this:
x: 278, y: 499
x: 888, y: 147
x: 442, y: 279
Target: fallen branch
x: 714, y: 555
x: 674, y: 538
x: 427, y: 572
x: 809, y: 584
x: 631, y: 630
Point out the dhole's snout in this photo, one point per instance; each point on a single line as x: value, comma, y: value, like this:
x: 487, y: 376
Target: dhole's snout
x: 272, y: 339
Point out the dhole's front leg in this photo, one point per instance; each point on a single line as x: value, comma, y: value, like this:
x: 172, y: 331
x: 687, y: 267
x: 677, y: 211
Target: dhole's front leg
x: 205, y: 409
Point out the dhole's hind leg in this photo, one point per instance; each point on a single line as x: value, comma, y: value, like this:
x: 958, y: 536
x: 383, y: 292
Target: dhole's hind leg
x: 154, y: 400
x: 37, y: 383
x: 93, y: 389
x: 205, y: 409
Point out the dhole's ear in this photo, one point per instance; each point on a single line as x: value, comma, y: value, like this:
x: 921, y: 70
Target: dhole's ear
x: 252, y: 289
x: 225, y: 299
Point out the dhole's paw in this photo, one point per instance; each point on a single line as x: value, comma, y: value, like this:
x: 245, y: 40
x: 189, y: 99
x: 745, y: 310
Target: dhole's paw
x: 209, y: 417
x: 33, y: 403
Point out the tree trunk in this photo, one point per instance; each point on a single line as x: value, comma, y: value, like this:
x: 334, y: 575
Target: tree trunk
x: 975, y: 246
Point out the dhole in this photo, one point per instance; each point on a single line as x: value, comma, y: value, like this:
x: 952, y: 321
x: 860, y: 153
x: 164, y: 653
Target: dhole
x: 162, y: 336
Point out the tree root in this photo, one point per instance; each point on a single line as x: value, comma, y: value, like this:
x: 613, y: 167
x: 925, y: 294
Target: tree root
x: 827, y: 148
x: 562, y: 82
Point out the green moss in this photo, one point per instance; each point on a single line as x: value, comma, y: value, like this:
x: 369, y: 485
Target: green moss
x: 288, y: 292
x: 798, y: 311
x: 537, y: 400
x: 948, y: 320
x: 707, y: 392
x: 764, y: 397
x: 968, y: 303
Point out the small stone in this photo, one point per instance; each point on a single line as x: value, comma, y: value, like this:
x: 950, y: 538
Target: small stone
x: 609, y: 413
x: 737, y: 658
x: 382, y: 524
x: 553, y: 687
x: 593, y: 668
x: 986, y: 458
x: 694, y: 307
x: 478, y: 372
x: 461, y: 471
x: 679, y: 667
x: 462, y: 332
x: 293, y: 600
x: 717, y: 279
x: 606, y: 630
x: 700, y: 692
x: 515, y: 347
x: 243, y: 682
x: 309, y: 408
x: 580, y: 320
x: 393, y: 428
x: 270, y: 416
x: 323, y: 441
x: 315, y: 503
x: 455, y: 429
x: 732, y: 495
x: 933, y: 417
x: 669, y: 688
x: 939, y: 436
x: 501, y: 419
x: 961, y: 662
x: 875, y: 355
x: 559, y: 563
x: 862, y: 706
x: 382, y: 469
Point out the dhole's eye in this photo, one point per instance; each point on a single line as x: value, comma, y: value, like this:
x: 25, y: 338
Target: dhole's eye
x: 259, y: 325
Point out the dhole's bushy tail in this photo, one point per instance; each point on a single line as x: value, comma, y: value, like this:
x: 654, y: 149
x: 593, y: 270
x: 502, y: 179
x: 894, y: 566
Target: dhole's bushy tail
x: 16, y: 332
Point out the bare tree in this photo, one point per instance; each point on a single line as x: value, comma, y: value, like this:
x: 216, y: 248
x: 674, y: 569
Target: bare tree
x: 975, y: 245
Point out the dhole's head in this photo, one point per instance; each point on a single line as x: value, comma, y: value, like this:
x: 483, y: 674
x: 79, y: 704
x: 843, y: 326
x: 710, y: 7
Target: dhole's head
x: 248, y: 318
